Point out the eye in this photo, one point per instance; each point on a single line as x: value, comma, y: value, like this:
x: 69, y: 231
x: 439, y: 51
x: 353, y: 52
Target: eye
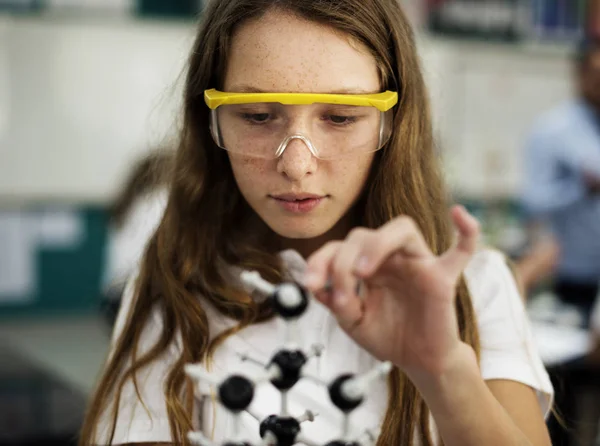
x: 341, y: 120
x: 258, y: 118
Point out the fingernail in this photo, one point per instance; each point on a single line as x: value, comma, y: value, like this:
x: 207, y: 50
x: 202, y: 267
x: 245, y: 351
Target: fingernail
x: 362, y: 265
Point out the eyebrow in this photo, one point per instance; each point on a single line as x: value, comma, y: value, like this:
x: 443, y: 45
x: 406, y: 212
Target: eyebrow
x: 251, y: 89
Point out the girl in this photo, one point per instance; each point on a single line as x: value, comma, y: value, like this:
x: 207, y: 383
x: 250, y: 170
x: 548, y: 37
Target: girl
x: 328, y: 172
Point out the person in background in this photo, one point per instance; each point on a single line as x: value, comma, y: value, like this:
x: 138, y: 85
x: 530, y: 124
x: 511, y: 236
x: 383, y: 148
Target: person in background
x: 562, y: 192
x: 134, y: 216
x: 562, y: 183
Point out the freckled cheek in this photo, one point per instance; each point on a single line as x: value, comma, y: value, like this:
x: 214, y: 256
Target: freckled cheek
x: 249, y: 172
x: 350, y: 175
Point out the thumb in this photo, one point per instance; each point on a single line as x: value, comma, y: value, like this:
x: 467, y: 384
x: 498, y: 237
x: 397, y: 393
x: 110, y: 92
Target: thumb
x: 456, y: 258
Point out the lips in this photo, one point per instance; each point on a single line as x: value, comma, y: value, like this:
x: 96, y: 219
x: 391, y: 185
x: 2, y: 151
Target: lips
x: 297, y: 197
x: 298, y: 204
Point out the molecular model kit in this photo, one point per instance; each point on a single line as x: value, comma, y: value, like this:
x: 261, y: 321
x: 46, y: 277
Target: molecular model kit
x: 236, y: 392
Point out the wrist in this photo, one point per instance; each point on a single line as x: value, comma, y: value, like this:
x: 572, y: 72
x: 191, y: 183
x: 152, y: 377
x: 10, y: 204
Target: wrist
x: 457, y: 373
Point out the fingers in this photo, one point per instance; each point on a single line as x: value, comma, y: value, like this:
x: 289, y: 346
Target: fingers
x: 457, y: 257
x: 362, y: 253
x: 399, y: 235
x: 330, y: 262
x: 342, y: 270
x: 317, y: 272
x: 359, y: 257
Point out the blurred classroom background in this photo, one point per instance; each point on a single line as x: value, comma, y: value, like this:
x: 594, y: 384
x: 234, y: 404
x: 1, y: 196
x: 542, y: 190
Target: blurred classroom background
x: 90, y: 87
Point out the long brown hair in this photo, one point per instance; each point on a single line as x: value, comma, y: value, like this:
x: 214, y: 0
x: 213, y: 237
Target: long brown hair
x: 206, y: 221
x: 149, y: 173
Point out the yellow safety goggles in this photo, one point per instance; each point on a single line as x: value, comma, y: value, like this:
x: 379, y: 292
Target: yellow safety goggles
x: 381, y: 101
x: 331, y: 125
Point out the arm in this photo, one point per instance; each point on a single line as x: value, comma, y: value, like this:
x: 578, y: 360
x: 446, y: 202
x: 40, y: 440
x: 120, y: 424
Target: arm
x: 493, y: 402
x: 410, y: 298
x: 469, y: 411
x: 537, y: 264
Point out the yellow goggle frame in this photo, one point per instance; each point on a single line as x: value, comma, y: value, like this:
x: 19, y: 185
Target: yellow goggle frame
x: 381, y: 101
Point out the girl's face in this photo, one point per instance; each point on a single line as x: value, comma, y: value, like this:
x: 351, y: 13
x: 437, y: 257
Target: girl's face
x: 283, y: 53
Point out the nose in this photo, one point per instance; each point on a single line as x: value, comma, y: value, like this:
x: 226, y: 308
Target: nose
x: 296, y: 158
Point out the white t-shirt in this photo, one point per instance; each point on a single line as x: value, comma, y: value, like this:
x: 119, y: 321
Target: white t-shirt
x: 507, y: 352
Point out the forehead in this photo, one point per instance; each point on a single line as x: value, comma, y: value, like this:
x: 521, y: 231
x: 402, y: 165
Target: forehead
x: 282, y: 53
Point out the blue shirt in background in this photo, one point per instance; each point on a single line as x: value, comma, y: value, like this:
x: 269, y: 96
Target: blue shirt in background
x: 565, y: 143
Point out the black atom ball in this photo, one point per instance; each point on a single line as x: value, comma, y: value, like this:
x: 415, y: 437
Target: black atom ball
x: 290, y: 363
x: 337, y: 397
x: 236, y: 393
x: 285, y: 311
x: 285, y: 429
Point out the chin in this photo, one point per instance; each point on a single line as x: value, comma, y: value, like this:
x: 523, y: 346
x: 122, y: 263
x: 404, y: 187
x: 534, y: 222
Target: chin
x: 299, y: 230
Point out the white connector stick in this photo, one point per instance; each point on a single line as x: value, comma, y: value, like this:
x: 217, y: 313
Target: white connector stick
x: 237, y: 427
x: 246, y: 357
x: 316, y: 351
x: 346, y: 426
x: 309, y: 415
x: 292, y: 335
x: 355, y: 387
x: 198, y: 373
x: 284, y: 404
x: 253, y: 280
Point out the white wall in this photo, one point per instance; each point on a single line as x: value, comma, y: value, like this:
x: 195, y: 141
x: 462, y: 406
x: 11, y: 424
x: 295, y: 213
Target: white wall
x: 485, y: 98
x: 79, y: 100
